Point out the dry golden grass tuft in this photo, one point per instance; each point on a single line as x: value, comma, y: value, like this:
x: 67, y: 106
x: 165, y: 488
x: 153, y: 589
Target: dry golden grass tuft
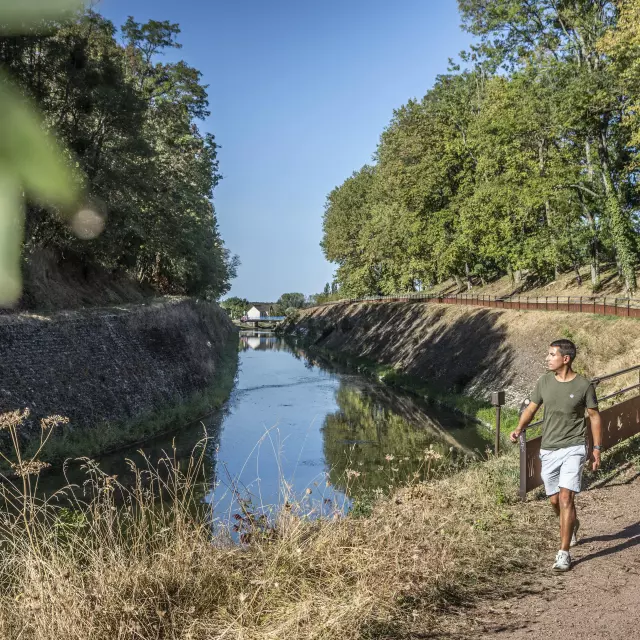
x: 142, y: 562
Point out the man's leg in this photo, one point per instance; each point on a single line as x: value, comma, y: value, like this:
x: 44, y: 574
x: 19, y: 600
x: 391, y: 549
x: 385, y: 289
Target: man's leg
x: 555, y: 502
x: 567, y: 516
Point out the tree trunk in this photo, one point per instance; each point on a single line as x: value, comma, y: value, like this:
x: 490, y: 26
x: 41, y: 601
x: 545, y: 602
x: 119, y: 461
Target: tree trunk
x: 576, y: 268
x: 547, y: 209
x: 467, y: 274
x: 595, y: 273
x: 618, y: 222
x: 593, y: 248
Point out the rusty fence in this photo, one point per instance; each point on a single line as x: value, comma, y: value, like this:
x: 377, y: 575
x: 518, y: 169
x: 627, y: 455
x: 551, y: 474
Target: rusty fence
x: 619, y: 422
x: 603, y: 305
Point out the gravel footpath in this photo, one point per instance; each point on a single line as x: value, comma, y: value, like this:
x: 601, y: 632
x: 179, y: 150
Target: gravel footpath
x: 600, y: 596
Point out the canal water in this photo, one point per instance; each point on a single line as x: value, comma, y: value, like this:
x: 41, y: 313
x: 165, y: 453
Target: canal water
x: 298, y: 431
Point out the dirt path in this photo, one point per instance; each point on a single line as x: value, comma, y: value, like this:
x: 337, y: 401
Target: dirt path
x: 600, y: 596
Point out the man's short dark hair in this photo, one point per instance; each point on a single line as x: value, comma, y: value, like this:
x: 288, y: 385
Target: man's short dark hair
x: 567, y: 348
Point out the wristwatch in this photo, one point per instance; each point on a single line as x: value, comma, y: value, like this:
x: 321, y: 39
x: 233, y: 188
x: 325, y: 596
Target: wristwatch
x: 597, y: 446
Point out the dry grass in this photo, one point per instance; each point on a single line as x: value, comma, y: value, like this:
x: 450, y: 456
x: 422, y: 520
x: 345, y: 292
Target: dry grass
x: 142, y: 561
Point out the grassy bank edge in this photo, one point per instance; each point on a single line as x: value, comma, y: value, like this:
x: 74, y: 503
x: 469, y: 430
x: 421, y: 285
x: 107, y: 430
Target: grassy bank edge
x: 110, y: 437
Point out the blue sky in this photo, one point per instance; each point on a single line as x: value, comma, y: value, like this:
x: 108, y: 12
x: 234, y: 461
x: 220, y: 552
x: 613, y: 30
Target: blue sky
x: 299, y: 94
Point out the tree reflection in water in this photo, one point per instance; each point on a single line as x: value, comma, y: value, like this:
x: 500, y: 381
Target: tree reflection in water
x: 381, y: 438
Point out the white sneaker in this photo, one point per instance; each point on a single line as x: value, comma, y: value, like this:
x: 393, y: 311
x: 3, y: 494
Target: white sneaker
x: 563, y: 561
x: 574, y: 535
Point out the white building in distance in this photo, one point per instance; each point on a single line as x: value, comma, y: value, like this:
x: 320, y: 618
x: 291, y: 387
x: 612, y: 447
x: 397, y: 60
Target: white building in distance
x: 260, y: 310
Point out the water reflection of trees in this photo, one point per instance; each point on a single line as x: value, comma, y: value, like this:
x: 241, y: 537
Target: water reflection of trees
x: 380, y: 438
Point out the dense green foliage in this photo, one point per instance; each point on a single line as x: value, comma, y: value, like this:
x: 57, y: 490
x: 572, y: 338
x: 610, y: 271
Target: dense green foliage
x: 290, y: 301
x: 525, y: 160
x: 128, y: 122
x: 236, y: 307
x: 329, y: 294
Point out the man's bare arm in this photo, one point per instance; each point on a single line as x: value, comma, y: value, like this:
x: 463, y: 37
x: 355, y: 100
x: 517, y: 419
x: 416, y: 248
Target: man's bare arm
x: 525, y: 419
x: 596, y: 432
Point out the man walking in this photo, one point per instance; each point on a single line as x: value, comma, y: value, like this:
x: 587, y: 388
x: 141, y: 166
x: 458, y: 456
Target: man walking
x: 565, y: 395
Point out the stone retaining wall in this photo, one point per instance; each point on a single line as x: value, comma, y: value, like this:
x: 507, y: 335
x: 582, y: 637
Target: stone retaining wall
x: 109, y: 365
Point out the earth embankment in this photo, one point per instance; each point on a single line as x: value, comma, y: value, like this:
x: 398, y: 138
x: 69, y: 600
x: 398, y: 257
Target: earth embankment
x: 468, y: 350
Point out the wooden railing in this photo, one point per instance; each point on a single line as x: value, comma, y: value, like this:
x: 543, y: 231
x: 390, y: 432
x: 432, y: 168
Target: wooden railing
x: 603, y: 305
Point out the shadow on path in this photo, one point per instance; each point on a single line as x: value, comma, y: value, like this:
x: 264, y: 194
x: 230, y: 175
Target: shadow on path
x: 630, y: 534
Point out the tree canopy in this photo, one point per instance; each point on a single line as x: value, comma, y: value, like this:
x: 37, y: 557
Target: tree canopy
x: 128, y: 122
x: 524, y: 159
x: 291, y: 301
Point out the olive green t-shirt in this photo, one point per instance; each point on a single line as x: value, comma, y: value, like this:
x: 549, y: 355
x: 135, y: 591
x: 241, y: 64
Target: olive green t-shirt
x: 564, y: 407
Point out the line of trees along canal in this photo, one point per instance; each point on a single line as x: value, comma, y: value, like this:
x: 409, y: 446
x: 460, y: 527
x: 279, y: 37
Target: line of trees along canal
x: 129, y: 123
x: 526, y: 159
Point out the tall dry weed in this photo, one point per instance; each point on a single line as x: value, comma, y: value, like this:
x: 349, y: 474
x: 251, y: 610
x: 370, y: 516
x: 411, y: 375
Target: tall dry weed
x: 106, y: 561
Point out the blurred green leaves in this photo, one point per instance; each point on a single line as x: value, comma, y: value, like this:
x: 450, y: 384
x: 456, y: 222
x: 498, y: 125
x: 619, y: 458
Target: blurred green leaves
x: 16, y: 15
x: 11, y: 226
x: 31, y: 162
x: 30, y: 153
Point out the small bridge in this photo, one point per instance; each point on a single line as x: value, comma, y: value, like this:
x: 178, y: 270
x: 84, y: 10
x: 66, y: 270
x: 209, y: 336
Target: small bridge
x: 255, y: 321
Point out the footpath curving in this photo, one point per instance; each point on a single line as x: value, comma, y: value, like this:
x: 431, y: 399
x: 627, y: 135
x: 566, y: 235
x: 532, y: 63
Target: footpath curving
x: 599, y: 597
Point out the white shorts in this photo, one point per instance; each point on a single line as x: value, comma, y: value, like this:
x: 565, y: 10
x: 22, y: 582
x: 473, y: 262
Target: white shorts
x: 562, y: 468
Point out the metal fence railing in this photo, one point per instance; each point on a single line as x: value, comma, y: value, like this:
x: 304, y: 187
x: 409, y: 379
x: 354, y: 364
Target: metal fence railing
x: 619, y: 422
x: 603, y: 305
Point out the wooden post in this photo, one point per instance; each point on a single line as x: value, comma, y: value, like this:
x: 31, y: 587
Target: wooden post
x: 496, y: 448
x: 522, y: 441
x: 497, y: 400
